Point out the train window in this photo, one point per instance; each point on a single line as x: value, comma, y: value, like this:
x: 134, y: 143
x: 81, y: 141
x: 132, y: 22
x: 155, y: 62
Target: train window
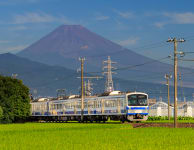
x: 95, y: 104
x: 121, y: 102
x: 98, y: 104
x: 92, y: 104
x: 106, y: 103
x: 78, y: 105
x: 85, y: 105
x: 113, y: 103
x: 59, y: 106
x: 67, y: 105
x: 110, y: 103
x: 137, y: 100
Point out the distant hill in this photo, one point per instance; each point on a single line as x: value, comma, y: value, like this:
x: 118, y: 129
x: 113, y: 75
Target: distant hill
x: 47, y: 79
x: 67, y: 43
x: 43, y: 78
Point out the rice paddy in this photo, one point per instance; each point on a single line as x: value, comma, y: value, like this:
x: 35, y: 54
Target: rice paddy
x: 109, y: 136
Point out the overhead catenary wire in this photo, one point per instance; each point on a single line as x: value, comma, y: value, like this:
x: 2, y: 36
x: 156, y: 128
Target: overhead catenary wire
x: 133, y: 66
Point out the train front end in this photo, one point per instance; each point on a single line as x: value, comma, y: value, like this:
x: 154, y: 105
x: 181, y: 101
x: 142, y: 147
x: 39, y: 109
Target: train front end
x: 137, y: 106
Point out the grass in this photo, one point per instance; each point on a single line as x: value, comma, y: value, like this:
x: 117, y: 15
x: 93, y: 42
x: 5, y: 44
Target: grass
x: 60, y: 136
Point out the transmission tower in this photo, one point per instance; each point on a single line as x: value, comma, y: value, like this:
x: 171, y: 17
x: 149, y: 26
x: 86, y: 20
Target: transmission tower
x: 109, y: 82
x: 88, y: 88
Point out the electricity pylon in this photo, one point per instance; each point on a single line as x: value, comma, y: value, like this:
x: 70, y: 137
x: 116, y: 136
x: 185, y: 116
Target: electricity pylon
x: 109, y: 87
x: 88, y: 88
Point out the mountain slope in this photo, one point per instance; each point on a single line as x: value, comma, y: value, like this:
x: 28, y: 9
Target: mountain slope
x: 67, y: 43
x: 47, y: 79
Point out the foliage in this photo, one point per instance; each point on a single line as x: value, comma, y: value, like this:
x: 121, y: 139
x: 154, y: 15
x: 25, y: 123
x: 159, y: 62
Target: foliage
x: 160, y: 118
x: 1, y: 113
x: 14, y: 100
x: 108, y: 136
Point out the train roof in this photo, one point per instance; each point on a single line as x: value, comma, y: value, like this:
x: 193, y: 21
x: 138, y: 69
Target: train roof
x: 74, y: 97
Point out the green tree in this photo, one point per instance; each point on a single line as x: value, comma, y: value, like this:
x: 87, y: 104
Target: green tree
x: 14, y: 100
x: 1, y: 113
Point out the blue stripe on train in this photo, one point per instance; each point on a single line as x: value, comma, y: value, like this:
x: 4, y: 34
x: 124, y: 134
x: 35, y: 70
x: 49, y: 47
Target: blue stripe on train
x: 137, y: 113
x: 79, y: 112
x: 132, y: 108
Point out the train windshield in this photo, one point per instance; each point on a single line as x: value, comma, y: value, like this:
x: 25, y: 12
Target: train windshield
x: 137, y: 100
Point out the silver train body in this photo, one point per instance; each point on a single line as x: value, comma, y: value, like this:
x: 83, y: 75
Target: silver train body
x: 125, y: 107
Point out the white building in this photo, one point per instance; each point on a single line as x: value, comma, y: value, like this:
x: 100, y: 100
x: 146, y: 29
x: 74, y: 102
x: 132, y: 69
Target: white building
x: 189, y: 109
x: 161, y: 109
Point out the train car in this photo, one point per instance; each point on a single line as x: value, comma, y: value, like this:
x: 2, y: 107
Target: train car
x: 131, y: 106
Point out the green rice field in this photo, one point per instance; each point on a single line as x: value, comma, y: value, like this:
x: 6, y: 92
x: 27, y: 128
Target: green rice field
x: 108, y: 136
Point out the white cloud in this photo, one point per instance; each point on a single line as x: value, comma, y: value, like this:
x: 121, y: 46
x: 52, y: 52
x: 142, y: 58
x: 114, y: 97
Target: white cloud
x: 34, y: 17
x: 175, y: 18
x: 13, y: 49
x: 160, y: 24
x: 181, y: 18
x: 126, y: 15
x: 128, y: 42
x: 102, y: 18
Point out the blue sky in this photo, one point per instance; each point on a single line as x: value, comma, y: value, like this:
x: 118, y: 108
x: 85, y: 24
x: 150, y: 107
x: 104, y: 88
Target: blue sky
x: 142, y: 26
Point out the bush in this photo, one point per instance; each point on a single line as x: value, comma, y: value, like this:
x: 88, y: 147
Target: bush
x: 1, y: 113
x: 14, y: 100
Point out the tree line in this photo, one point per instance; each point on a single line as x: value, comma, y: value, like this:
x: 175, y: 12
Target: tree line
x: 14, y: 100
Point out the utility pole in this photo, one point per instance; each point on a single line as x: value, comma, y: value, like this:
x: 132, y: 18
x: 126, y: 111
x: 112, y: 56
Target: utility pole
x: 109, y: 82
x: 175, y: 41
x: 181, y: 84
x: 167, y: 77
x: 82, y: 88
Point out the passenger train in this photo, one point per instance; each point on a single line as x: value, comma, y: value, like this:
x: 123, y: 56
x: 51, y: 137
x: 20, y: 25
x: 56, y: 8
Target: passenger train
x: 130, y: 106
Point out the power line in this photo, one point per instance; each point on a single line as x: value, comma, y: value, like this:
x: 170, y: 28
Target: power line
x: 126, y: 49
x: 138, y: 65
x: 133, y: 66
